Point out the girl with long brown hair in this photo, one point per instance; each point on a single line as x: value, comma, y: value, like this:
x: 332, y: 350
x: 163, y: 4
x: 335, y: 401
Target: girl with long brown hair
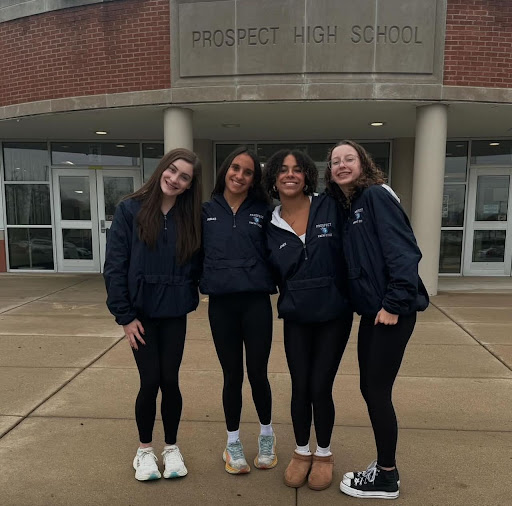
x: 151, y: 273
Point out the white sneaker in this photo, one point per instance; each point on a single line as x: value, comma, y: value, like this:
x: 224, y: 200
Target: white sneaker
x: 173, y: 461
x: 145, y: 466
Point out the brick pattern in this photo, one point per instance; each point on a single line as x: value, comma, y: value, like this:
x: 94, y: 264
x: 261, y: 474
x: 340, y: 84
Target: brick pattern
x: 111, y: 47
x: 478, y: 48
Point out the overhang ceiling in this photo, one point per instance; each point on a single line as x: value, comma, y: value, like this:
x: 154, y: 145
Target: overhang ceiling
x: 263, y: 121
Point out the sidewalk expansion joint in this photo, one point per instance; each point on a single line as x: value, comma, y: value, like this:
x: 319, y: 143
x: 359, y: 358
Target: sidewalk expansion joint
x: 461, y: 326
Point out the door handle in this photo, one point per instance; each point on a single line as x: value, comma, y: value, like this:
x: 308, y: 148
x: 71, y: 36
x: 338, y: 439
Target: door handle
x: 102, y: 226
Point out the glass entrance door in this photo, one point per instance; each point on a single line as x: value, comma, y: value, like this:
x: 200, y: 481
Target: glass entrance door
x: 84, y: 203
x: 489, y: 233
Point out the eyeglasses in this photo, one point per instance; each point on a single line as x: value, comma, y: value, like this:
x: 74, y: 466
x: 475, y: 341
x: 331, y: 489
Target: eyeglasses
x: 336, y: 162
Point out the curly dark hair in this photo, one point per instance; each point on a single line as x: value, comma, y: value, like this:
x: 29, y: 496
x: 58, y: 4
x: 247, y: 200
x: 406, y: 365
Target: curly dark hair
x: 256, y: 191
x: 370, y: 173
x: 274, y: 164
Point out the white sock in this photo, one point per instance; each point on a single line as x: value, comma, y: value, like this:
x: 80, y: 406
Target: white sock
x: 146, y: 449
x: 323, y: 452
x: 303, y: 450
x: 266, y: 430
x: 233, y: 436
x: 170, y: 447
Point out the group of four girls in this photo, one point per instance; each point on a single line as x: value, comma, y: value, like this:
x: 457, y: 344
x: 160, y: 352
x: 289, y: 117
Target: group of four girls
x: 351, y: 247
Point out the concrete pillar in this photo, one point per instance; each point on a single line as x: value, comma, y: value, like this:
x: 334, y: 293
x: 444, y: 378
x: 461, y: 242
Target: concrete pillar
x: 401, y: 170
x: 178, y: 129
x: 427, y: 188
x: 203, y: 148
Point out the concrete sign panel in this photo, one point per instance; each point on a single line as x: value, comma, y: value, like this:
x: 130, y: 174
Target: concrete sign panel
x: 268, y: 37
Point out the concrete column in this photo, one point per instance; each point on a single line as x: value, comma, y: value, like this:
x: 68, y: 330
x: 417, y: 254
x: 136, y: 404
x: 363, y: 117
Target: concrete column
x: 401, y: 170
x: 427, y: 187
x: 203, y: 148
x: 178, y: 129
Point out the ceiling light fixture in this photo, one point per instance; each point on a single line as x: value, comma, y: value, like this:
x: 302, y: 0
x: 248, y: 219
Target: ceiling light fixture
x: 494, y: 143
x: 377, y: 123
x: 231, y: 125
x: 120, y: 146
x: 101, y: 132
x: 79, y: 191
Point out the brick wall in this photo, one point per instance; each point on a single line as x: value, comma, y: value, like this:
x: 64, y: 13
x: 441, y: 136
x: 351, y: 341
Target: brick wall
x: 102, y: 48
x: 478, y: 49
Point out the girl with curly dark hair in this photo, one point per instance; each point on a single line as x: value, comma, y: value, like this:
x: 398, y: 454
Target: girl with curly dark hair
x: 385, y: 289
x: 304, y: 241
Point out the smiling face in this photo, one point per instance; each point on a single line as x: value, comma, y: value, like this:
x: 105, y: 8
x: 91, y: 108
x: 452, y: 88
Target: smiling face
x: 345, y: 166
x: 176, y: 178
x: 290, y: 179
x: 240, y: 175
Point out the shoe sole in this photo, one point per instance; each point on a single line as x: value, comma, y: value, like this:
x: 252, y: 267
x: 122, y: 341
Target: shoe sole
x: 150, y: 477
x: 175, y: 474
x: 269, y: 466
x: 234, y: 470
x: 319, y: 487
x: 295, y: 485
x: 368, y: 495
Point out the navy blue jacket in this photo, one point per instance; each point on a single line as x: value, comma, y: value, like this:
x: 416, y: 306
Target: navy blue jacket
x: 147, y: 282
x: 382, y: 255
x: 234, y: 248
x: 311, y: 276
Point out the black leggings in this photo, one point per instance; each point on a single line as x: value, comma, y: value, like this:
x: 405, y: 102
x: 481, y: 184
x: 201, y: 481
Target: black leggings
x: 237, y: 319
x: 159, y: 364
x: 313, y: 352
x: 380, y: 350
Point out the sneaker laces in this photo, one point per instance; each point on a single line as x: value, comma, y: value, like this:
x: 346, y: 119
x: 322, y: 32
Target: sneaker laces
x: 367, y: 476
x: 172, y: 456
x: 266, y: 445
x: 144, y: 454
x: 236, y: 450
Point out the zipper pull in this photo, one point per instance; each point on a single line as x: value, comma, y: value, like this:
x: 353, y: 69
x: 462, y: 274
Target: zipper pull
x: 165, y: 228
x: 305, y: 252
x: 234, y: 220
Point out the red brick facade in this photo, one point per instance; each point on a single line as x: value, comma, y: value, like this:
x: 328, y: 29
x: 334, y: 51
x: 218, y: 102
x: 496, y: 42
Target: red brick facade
x: 125, y: 46
x: 478, y: 48
x: 104, y: 48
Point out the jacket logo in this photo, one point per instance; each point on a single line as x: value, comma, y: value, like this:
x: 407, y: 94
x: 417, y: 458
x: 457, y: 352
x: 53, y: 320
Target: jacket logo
x: 282, y: 245
x: 211, y: 219
x: 255, y: 219
x: 358, y: 215
x: 324, y: 229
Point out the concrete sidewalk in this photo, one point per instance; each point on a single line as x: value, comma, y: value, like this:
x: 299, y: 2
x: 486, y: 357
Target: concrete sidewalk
x: 68, y: 384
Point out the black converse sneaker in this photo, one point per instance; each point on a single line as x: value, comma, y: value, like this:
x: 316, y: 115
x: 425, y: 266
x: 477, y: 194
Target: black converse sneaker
x: 373, y: 483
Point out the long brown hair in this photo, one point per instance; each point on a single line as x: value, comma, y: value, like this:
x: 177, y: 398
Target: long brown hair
x: 187, y: 209
x: 370, y: 173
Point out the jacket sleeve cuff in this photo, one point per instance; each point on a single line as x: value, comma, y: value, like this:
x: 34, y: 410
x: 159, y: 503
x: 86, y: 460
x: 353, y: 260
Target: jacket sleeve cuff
x: 125, y: 319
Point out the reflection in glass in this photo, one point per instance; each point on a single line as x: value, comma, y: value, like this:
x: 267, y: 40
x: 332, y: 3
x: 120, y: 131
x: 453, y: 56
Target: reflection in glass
x: 456, y: 161
x: 492, y: 198
x: 451, y: 250
x: 77, y: 244
x: 489, y: 246
x: 28, y: 204
x: 97, y: 153
x: 30, y: 248
x: 151, y: 155
x: 26, y: 161
x: 491, y: 152
x: 115, y: 189
x: 75, y: 198
x: 453, y: 205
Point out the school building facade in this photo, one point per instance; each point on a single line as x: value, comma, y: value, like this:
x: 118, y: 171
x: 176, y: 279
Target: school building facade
x: 93, y: 92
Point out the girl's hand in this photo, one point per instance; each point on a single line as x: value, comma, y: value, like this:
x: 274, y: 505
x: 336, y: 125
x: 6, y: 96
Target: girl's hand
x: 134, y: 332
x: 386, y: 318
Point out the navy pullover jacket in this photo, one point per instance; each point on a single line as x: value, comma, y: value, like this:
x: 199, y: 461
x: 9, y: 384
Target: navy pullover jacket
x: 144, y: 282
x: 311, y: 276
x: 234, y: 248
x: 382, y: 255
